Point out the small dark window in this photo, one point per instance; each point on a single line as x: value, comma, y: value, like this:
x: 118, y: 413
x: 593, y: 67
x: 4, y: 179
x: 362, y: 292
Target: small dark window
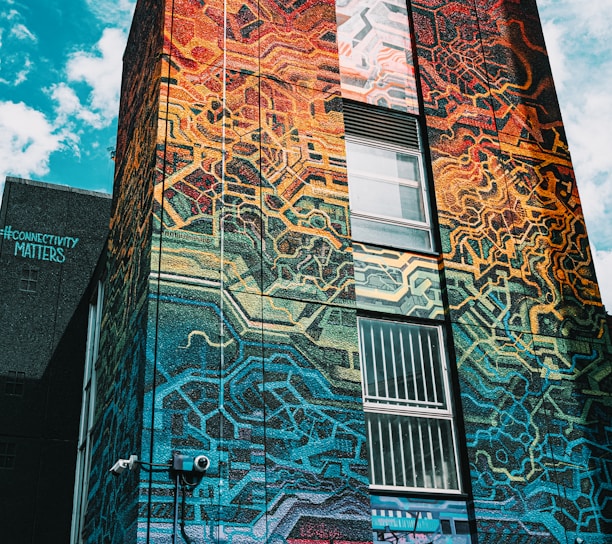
x: 15, y: 383
x: 29, y: 279
x: 445, y: 526
x: 7, y: 454
x: 462, y: 527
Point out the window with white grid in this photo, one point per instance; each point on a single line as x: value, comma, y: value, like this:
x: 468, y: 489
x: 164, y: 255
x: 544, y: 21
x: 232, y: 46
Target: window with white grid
x: 81, y: 488
x: 409, y: 417
x: 387, y: 184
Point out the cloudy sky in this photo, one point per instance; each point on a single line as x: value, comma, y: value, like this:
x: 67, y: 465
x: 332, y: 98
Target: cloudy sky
x: 60, y: 67
x: 60, y: 70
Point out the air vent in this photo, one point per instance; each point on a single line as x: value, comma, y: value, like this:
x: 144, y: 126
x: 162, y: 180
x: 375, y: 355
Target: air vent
x: 381, y: 124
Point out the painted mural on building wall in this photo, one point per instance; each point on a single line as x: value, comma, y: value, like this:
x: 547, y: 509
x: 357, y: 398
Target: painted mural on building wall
x: 253, y: 342
x: 120, y: 372
x: 528, y: 324
x: 241, y: 321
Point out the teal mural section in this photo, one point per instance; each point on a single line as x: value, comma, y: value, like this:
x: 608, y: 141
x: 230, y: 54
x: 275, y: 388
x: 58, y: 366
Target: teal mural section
x: 271, y: 396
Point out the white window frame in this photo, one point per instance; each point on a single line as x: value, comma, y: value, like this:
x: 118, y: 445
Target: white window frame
x: 395, y: 132
x: 421, y: 416
x: 417, y: 184
x: 88, y: 402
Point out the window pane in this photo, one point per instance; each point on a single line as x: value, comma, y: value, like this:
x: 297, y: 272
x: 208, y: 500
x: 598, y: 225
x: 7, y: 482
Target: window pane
x: 386, y: 198
x: 390, y: 234
x: 380, y: 162
x: 29, y: 279
x: 402, y: 364
x: 385, y: 182
x: 7, y: 454
x: 411, y: 452
x: 388, y: 195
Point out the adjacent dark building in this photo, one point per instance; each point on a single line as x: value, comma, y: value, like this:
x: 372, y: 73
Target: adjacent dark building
x: 51, y: 237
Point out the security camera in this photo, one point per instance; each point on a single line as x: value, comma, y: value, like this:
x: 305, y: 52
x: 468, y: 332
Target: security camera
x: 201, y: 463
x: 187, y: 463
x: 122, y: 464
x: 119, y: 467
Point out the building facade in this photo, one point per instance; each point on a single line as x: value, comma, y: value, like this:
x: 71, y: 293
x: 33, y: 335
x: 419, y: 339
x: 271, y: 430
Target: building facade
x: 50, y: 239
x: 348, y: 264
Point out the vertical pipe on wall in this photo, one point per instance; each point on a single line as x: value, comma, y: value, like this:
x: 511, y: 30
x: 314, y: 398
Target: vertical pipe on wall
x: 158, y: 279
x: 222, y: 255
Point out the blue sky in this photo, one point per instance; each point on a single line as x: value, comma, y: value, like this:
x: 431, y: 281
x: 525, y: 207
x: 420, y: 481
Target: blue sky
x: 60, y: 71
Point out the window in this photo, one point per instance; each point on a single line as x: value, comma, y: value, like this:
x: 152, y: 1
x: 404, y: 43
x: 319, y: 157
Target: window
x: 409, y: 417
x: 81, y: 480
x: 387, y: 186
x: 7, y: 454
x: 29, y: 279
x: 15, y: 383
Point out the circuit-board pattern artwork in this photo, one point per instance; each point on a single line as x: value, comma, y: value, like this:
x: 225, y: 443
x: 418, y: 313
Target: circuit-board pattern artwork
x: 272, y: 403
x: 117, y: 429
x: 259, y: 157
x: 397, y: 282
x: 376, y: 53
x: 528, y: 325
x: 254, y: 342
x: 245, y: 345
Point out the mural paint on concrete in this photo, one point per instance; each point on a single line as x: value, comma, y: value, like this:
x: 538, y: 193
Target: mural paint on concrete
x: 271, y: 402
x: 254, y: 345
x: 529, y: 328
x: 397, y: 282
x: 119, y: 413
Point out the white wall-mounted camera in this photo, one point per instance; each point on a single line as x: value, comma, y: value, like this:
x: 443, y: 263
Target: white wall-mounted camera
x: 123, y: 464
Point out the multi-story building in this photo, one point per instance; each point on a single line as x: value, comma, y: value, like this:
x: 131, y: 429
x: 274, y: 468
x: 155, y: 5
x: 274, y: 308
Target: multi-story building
x: 348, y: 265
x: 50, y: 239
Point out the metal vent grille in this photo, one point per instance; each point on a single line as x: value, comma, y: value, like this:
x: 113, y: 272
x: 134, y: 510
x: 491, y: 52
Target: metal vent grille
x: 380, y: 124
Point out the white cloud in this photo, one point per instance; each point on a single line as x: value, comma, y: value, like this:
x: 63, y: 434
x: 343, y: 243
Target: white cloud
x: 21, y: 32
x: 27, y: 139
x: 17, y: 67
x: 113, y: 12
x: 556, y: 52
x: 12, y: 13
x: 15, y: 39
x: 100, y: 70
x: 69, y: 108
x: 603, y: 265
x: 87, y: 100
x: 22, y: 74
